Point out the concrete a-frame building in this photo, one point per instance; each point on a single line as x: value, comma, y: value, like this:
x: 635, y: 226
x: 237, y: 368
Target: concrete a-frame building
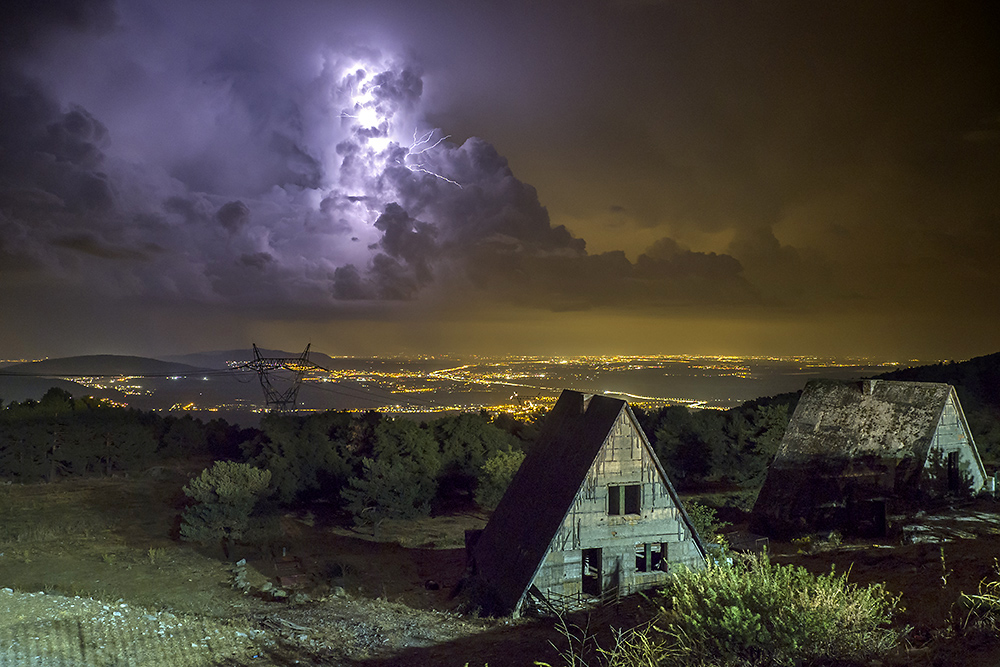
x: 589, y: 514
x: 856, y: 452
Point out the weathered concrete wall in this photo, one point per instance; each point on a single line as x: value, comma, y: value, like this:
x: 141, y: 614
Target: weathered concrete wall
x: 852, y: 449
x: 952, y: 436
x: 624, y: 460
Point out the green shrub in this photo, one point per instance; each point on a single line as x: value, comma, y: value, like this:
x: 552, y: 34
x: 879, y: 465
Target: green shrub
x: 388, y: 488
x: 758, y: 613
x: 229, y: 505
x: 399, y: 479
x: 705, y: 521
x: 495, y: 476
x: 984, y: 606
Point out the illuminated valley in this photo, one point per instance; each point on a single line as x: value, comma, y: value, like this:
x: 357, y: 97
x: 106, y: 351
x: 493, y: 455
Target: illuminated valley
x: 518, y: 385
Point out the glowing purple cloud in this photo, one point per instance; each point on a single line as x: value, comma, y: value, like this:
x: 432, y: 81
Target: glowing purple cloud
x: 192, y: 165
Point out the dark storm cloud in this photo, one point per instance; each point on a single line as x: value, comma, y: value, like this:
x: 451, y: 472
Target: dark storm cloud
x: 667, y: 260
x: 194, y: 210
x: 398, y: 90
x: 257, y: 260
x: 47, y: 149
x: 393, y: 281
x: 785, y: 273
x: 490, y: 201
x: 23, y: 22
x: 408, y: 239
x: 348, y: 284
x: 245, y: 159
x: 91, y: 245
x: 665, y: 276
x: 233, y: 215
x: 285, y: 162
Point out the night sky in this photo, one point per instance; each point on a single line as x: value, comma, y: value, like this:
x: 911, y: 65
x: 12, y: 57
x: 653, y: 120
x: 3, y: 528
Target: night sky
x: 558, y: 177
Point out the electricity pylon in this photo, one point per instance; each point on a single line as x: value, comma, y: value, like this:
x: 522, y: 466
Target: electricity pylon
x: 275, y: 399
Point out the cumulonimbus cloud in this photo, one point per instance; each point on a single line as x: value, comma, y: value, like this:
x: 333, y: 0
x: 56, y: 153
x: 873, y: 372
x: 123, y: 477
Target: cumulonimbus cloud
x: 308, y: 185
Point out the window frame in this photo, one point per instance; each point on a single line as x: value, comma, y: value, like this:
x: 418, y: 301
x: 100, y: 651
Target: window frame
x: 651, y: 557
x: 624, y: 499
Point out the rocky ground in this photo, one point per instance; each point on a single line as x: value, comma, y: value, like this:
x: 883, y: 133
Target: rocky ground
x: 55, y: 630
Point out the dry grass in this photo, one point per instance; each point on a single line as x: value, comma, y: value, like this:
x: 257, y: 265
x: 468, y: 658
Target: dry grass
x: 74, y: 551
x: 437, y: 532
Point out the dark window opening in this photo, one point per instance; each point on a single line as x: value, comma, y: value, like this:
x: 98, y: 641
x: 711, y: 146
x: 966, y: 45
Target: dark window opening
x: 633, y: 496
x: 624, y: 499
x: 592, y: 576
x: 954, y: 476
x: 651, y: 557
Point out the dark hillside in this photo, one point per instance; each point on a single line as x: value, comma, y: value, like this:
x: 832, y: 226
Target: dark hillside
x: 977, y: 382
x: 99, y: 364
x: 221, y: 358
x: 21, y: 388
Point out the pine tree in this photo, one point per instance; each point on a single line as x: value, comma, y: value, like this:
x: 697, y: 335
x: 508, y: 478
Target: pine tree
x: 400, y: 479
x: 228, y: 505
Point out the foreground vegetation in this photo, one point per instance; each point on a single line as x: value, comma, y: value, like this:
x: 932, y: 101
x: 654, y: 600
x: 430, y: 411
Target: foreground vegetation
x: 759, y: 613
x: 379, y: 468
x: 373, y: 466
x: 751, y: 613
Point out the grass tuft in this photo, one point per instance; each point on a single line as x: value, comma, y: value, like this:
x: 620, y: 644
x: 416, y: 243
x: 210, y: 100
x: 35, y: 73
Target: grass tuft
x: 759, y: 614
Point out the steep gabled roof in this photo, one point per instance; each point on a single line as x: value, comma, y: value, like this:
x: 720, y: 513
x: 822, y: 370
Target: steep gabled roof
x: 868, y: 418
x: 531, y: 511
x: 517, y: 537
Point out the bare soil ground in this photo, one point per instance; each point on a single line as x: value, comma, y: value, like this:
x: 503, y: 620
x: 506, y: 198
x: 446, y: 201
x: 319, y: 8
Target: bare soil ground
x: 91, y: 573
x: 946, y: 553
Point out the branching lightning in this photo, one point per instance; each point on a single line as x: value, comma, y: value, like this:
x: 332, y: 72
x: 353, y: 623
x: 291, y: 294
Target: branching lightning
x: 423, y: 141
x: 423, y: 144
x: 373, y: 125
x: 417, y: 167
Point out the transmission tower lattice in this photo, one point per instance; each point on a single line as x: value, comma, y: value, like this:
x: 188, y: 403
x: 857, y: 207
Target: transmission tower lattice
x: 276, y: 399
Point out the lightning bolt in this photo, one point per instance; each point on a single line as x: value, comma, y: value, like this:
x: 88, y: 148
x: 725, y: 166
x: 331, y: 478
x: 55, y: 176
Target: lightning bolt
x: 369, y: 117
x: 423, y: 144
x: 423, y: 140
x: 417, y: 167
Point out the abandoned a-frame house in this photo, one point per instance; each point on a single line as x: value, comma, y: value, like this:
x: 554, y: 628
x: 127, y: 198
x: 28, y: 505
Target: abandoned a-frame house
x: 855, y: 453
x: 589, y: 514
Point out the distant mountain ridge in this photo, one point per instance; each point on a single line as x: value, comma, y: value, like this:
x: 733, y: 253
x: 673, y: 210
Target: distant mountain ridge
x: 99, y: 364
x: 116, y: 364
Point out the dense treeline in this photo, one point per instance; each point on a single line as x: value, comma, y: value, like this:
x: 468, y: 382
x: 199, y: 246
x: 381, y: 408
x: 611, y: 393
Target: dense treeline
x: 381, y: 467
x: 376, y: 466
x: 61, y: 436
x: 718, y: 446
